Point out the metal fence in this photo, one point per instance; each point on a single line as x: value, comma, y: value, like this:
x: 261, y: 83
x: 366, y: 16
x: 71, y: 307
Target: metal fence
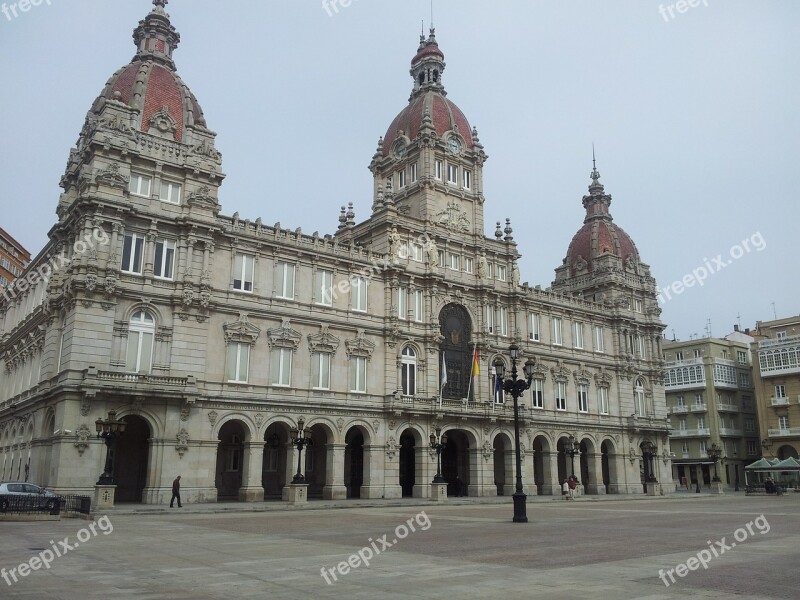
x: 76, y: 504
x: 19, y: 504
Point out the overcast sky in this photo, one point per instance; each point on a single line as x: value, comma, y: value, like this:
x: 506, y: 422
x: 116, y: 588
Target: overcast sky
x: 694, y: 116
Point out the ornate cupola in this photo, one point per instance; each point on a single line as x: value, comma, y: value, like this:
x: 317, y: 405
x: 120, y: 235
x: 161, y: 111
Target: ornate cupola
x: 155, y: 37
x: 430, y: 158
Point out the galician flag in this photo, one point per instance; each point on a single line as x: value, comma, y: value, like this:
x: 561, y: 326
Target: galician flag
x: 476, y: 368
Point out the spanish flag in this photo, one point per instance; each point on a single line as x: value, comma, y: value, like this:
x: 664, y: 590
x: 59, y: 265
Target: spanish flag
x: 476, y: 369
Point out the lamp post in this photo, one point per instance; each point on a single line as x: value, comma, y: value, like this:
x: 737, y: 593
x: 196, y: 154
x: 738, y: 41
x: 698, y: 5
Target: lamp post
x: 648, y: 453
x: 109, y: 429
x: 516, y: 387
x: 572, y: 449
x: 300, y: 438
x: 766, y: 445
x: 438, y: 443
x: 714, y: 452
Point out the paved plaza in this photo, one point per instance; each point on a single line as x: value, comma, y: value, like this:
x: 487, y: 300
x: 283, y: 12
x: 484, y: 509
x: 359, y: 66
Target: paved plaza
x: 589, y: 548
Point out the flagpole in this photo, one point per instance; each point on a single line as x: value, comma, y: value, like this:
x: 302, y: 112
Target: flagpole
x: 471, y: 369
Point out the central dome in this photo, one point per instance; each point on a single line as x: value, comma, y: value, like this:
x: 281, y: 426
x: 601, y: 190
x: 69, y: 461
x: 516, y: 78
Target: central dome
x: 428, y: 98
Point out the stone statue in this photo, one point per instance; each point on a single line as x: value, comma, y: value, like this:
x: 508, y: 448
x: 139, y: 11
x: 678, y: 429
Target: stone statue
x: 483, y: 266
x: 515, y: 274
x: 394, y: 238
x: 433, y: 253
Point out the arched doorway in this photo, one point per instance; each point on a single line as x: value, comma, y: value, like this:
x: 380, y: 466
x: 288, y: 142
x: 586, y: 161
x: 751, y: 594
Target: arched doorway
x: 274, y: 477
x: 503, y: 465
x: 565, y: 462
x: 786, y: 451
x: 456, y: 328
x: 408, y: 469
x: 585, y: 479
x: 230, y: 459
x: 609, y: 468
x: 542, y: 475
x: 354, y: 462
x: 455, y: 463
x: 130, y: 459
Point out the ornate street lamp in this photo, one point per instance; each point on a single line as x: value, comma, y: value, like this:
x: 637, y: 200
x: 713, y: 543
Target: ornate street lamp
x: 300, y: 438
x: 714, y: 452
x: 516, y: 387
x: 649, y: 453
x: 438, y: 443
x: 572, y: 448
x: 109, y: 429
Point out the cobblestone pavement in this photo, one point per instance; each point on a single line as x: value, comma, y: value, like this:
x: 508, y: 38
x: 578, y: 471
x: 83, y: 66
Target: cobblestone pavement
x: 609, y: 548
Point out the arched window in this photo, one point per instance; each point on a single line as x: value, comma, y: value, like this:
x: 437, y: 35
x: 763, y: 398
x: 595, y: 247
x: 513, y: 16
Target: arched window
x: 638, y: 396
x: 408, y: 371
x: 139, y: 358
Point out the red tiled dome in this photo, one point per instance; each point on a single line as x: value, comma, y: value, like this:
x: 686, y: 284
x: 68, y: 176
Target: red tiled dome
x: 597, y: 238
x: 430, y: 50
x: 445, y: 114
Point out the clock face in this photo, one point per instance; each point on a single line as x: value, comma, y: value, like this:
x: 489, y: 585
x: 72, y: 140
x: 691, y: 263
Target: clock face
x: 400, y: 149
x: 454, y: 145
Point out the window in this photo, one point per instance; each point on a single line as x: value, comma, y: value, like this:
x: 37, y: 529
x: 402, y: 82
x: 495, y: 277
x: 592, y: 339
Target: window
x: 170, y: 192
x: 557, y: 339
x: 416, y: 252
x: 781, y: 335
x: 452, y: 173
x: 238, y: 362
x: 682, y: 424
x: 638, y: 394
x: 141, y: 332
x: 749, y: 425
x: 583, y: 397
x: 413, y: 172
x: 533, y: 327
x: 679, y: 355
x: 698, y: 399
x: 441, y: 256
x: 234, y: 455
x: 164, y: 260
x: 467, y: 179
x: 454, y: 262
x: 681, y: 401
x: 402, y: 303
x: 468, y: 265
x: 140, y: 185
x: 697, y: 353
x: 243, y: 272
x: 561, y: 395
x: 599, y: 341
x: 408, y: 371
x: 701, y: 422
x: 783, y: 422
x: 502, y: 273
x: 417, y: 306
x: 741, y: 357
x: 489, y: 311
x: 401, y: 179
x: 282, y: 366
x: 502, y: 324
x: 402, y: 251
x: 497, y: 386
x: 132, y: 248
x: 321, y: 370
x: 744, y: 379
x: 437, y: 170
x: 752, y: 448
x: 725, y: 354
x: 703, y: 447
x: 577, y: 334
x: 284, y: 280
x: 602, y: 400
x: 537, y: 393
x: 780, y: 391
x: 325, y: 288
x: 685, y: 449
x: 637, y: 305
x: 358, y: 293
x: 358, y: 374
x: 638, y: 346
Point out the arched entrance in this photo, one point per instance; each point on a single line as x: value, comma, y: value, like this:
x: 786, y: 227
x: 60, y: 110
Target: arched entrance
x: 230, y: 459
x: 542, y: 475
x: 608, y: 466
x: 354, y: 462
x: 455, y: 463
x: 565, y: 462
x: 130, y: 460
x: 503, y: 465
x: 585, y: 479
x: 408, y: 469
x: 786, y: 451
x: 274, y: 477
x: 456, y: 328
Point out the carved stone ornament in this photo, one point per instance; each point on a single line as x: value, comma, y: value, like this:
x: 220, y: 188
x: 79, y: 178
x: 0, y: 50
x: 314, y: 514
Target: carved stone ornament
x: 182, y: 444
x: 453, y: 218
x: 186, y: 410
x: 340, y: 424
x: 86, y: 404
x: 82, y: 435
x: 259, y: 419
x: 391, y: 448
x: 91, y: 282
x: 360, y: 346
x: 111, y: 177
x: 202, y: 197
x: 323, y: 341
x: 487, y: 451
x: 241, y: 330
x: 212, y: 417
x: 284, y: 336
x: 163, y: 122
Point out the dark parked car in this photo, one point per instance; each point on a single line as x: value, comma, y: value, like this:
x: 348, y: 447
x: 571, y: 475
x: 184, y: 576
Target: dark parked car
x: 47, y: 499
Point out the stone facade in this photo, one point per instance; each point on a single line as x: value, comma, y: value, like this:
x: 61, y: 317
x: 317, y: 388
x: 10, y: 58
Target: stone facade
x: 211, y: 335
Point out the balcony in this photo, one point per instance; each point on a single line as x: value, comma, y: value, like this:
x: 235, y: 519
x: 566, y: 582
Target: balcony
x: 699, y: 408
x: 733, y: 408
x: 790, y: 432
x: 684, y: 363
x: 773, y: 401
x: 691, y: 433
x: 794, y: 339
x: 724, y: 431
x: 678, y: 410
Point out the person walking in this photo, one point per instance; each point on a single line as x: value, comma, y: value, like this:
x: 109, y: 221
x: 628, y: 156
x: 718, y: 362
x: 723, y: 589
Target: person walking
x: 565, y: 489
x: 573, y: 483
x: 176, y: 492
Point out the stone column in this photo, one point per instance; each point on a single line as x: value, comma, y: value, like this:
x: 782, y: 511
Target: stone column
x: 424, y: 470
x: 373, y: 484
x: 481, y: 474
x: 252, y: 489
x: 510, y: 468
x: 595, y: 486
x: 291, y: 469
x: 334, y: 477
x: 528, y: 480
x: 555, y: 485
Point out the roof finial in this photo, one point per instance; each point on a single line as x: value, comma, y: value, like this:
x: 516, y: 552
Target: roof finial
x: 431, y: 15
x: 161, y: 3
x: 595, y: 175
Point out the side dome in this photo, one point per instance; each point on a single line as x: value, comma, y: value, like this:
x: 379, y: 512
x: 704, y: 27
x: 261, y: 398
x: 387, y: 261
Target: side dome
x: 428, y: 98
x: 599, y: 237
x: 150, y: 85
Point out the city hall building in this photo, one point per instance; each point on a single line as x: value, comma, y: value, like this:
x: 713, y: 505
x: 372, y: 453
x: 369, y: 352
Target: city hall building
x: 211, y: 335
